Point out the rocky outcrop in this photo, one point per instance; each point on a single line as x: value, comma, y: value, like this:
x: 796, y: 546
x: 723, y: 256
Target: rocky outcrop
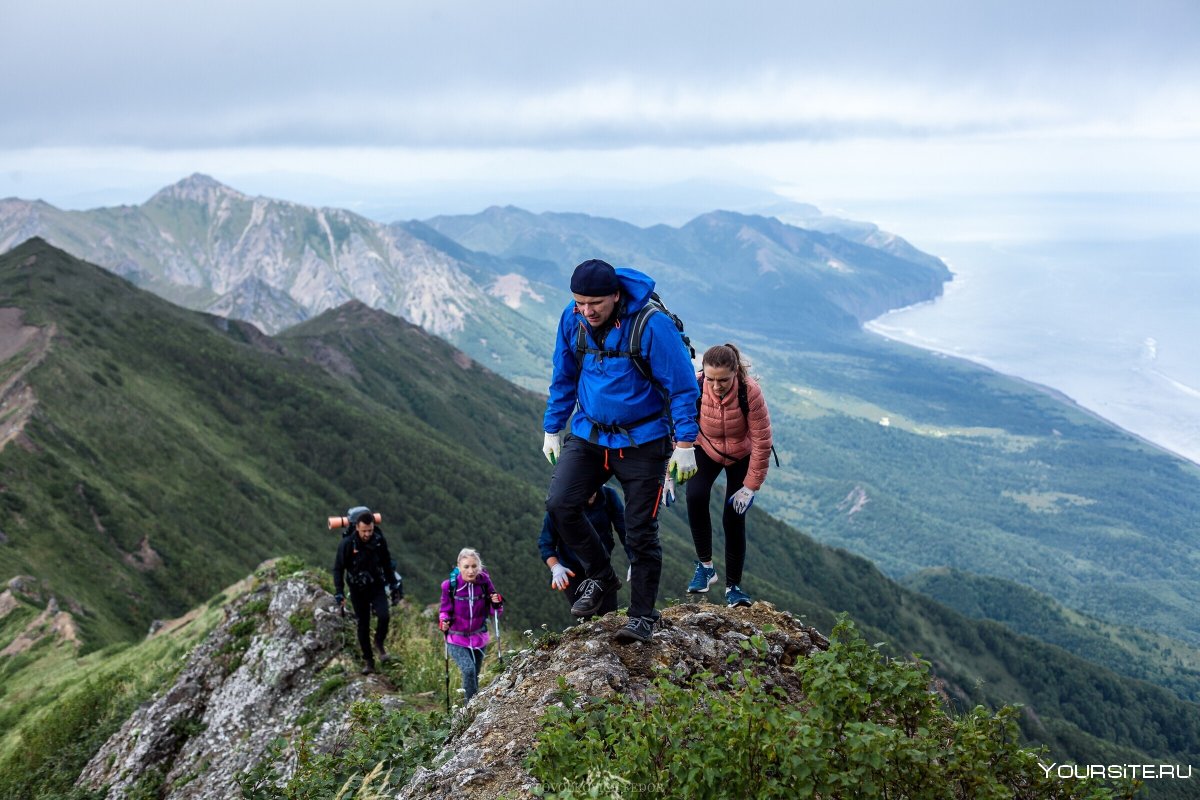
x: 244, y: 686
x: 266, y: 671
x: 485, y: 759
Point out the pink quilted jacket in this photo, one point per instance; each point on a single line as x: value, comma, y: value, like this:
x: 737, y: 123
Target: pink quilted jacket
x: 724, y: 428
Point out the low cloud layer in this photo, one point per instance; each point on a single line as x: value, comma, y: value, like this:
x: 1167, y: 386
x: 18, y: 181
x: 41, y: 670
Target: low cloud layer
x: 133, y: 73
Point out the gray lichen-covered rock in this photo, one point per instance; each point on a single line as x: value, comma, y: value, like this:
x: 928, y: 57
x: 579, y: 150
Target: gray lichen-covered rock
x: 485, y: 759
x: 245, y: 685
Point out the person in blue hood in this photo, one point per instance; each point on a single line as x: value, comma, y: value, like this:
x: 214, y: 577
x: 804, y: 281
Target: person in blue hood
x: 626, y: 424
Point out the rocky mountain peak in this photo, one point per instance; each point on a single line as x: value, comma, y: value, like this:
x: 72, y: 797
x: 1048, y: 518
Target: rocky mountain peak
x: 197, y: 188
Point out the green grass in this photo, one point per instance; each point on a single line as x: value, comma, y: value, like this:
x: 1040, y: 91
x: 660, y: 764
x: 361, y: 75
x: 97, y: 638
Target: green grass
x: 59, y: 708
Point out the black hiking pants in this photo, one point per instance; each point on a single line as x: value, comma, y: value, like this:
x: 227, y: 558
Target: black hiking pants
x: 700, y: 520
x: 582, y: 469
x: 364, y: 600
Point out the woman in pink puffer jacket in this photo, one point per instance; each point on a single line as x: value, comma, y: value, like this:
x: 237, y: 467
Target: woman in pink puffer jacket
x: 735, y: 436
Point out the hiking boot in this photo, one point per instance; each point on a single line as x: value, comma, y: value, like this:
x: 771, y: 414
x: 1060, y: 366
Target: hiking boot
x: 591, y: 597
x: 368, y: 668
x: 704, y: 578
x: 384, y: 656
x: 638, y: 629
x: 734, y: 596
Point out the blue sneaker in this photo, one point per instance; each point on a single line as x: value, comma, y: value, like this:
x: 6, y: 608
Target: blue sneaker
x: 704, y: 578
x: 734, y: 596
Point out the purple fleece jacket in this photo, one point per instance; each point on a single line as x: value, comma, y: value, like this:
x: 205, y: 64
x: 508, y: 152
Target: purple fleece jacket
x: 468, y: 610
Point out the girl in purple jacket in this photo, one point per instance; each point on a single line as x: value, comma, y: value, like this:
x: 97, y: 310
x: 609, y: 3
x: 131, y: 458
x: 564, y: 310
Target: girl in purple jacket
x: 468, y: 597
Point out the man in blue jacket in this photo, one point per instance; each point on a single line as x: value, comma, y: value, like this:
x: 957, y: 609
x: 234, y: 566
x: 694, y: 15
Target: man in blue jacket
x: 625, y: 423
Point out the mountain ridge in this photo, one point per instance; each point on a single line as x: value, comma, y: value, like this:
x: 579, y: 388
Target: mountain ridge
x: 209, y: 247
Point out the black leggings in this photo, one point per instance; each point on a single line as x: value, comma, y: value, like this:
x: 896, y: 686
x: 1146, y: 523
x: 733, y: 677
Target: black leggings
x: 698, y: 490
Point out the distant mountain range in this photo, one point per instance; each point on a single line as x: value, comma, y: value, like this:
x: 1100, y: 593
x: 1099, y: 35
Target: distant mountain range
x: 208, y: 247
x: 163, y: 452
x: 492, y: 284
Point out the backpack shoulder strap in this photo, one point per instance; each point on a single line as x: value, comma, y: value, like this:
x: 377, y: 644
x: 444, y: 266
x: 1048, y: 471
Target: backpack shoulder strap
x: 744, y: 403
x: 636, y: 330
x: 453, y: 584
x: 583, y: 346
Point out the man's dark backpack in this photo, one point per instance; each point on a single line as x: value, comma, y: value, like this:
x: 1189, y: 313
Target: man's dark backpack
x: 364, y: 579
x: 743, y: 403
x: 633, y: 350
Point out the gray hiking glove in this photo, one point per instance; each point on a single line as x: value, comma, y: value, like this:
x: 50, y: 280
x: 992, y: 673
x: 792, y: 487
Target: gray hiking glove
x: 742, y: 499
x: 668, y: 495
x: 560, y: 575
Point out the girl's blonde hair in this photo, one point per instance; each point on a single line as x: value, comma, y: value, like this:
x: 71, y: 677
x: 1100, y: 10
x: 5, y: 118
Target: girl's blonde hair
x: 470, y: 552
x: 727, y: 355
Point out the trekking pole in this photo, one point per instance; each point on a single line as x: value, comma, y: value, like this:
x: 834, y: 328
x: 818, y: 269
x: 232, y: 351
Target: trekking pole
x: 499, y: 649
x: 446, y: 641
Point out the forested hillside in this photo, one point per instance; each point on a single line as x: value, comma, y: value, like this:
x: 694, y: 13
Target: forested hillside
x: 169, y: 451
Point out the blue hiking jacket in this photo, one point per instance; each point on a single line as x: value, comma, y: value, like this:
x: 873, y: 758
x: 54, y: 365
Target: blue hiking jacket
x: 611, y: 390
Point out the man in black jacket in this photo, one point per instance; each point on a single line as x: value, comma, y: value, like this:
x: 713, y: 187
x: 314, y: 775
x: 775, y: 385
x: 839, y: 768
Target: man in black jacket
x: 364, y: 563
x: 606, y: 512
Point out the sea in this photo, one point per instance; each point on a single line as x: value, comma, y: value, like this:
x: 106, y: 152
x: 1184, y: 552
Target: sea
x: 1096, y: 296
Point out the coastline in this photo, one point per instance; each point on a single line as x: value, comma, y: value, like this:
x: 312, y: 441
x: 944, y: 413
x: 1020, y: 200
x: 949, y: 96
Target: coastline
x: 875, y: 328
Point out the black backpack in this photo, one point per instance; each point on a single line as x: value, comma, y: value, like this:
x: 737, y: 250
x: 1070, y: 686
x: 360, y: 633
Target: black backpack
x: 743, y: 403
x: 397, y: 579
x: 633, y: 350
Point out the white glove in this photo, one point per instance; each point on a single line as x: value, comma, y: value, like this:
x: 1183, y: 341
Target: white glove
x: 742, y: 499
x: 668, y: 496
x: 559, y: 580
x: 682, y: 464
x: 552, y: 447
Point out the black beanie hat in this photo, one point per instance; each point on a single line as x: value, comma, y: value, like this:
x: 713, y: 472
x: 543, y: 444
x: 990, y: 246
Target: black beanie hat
x: 595, y: 278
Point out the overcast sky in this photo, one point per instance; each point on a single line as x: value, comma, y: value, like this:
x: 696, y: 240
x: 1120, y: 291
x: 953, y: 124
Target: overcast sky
x: 463, y: 104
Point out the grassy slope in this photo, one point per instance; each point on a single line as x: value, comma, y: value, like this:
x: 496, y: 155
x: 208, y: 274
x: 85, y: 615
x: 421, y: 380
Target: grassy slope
x: 1082, y: 711
x: 58, y: 708
x: 221, y: 451
x: 986, y: 474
